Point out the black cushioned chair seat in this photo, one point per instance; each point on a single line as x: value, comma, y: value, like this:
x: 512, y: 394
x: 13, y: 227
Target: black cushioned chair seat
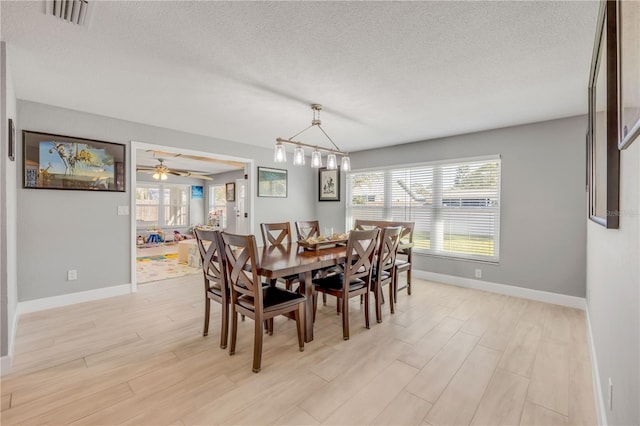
x: 335, y: 282
x: 273, y: 296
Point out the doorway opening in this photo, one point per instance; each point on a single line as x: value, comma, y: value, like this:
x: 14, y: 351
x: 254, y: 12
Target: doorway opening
x: 174, y: 191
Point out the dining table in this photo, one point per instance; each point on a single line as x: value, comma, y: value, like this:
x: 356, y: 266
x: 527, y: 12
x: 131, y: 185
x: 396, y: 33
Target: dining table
x: 282, y: 260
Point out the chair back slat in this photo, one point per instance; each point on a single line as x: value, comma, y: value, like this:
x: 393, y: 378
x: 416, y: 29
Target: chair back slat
x: 406, y: 236
x: 306, y: 229
x: 388, y: 248
x: 361, y: 247
x: 212, y: 256
x: 275, y: 233
x: 241, y: 259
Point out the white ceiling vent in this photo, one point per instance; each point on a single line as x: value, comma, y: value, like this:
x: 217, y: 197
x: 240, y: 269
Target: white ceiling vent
x: 77, y: 12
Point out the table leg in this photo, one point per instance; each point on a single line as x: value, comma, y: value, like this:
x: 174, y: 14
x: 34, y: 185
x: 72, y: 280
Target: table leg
x: 306, y: 285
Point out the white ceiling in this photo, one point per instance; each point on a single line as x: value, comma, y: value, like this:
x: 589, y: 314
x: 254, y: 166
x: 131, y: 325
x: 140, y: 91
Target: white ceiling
x: 175, y: 161
x: 386, y: 72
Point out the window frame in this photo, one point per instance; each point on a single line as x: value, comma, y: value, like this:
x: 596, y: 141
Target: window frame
x: 387, y: 209
x: 161, y: 206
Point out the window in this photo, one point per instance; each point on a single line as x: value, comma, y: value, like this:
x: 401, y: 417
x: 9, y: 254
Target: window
x: 173, y: 198
x: 218, y: 205
x: 455, y: 205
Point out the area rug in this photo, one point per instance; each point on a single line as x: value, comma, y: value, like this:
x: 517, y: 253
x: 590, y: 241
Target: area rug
x: 161, y: 267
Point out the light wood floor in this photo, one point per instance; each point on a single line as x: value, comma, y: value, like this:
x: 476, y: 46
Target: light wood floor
x: 448, y: 356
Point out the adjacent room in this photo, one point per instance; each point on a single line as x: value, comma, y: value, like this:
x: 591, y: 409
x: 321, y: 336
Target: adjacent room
x: 402, y: 213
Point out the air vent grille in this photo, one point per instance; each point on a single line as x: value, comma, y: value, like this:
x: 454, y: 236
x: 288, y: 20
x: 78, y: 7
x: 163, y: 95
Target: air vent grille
x: 74, y: 11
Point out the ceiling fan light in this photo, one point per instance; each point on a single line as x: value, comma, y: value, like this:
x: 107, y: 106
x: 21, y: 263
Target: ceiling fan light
x: 332, y: 163
x: 346, y: 164
x: 163, y: 176
x: 316, y: 159
x: 156, y: 175
x: 298, y: 156
x: 279, y: 155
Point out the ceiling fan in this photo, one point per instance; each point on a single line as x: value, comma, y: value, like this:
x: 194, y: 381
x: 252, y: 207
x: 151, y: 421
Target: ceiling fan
x: 160, y: 172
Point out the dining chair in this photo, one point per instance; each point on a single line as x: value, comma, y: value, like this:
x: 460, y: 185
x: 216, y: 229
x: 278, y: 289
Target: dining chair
x: 306, y: 229
x: 384, y: 267
x: 251, y: 298
x: 215, y: 279
x: 405, y: 248
x: 356, y: 278
x: 311, y: 228
x: 276, y: 234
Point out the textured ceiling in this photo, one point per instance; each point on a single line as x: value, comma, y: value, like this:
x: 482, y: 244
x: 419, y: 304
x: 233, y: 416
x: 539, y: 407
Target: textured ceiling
x: 386, y: 72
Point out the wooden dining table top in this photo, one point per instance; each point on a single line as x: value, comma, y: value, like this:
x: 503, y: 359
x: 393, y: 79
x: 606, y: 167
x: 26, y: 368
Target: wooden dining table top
x: 288, y: 259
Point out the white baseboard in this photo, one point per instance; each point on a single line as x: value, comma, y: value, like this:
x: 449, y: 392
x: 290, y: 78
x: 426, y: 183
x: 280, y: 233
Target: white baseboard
x: 5, y: 365
x: 72, y: 298
x: 525, y: 293
x: 597, y: 386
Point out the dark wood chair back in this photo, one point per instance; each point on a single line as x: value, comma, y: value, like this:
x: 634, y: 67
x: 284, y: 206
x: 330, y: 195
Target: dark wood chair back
x: 385, y: 267
x: 361, y: 248
x: 306, y: 229
x: 216, y: 285
x: 241, y: 259
x: 249, y: 297
x: 276, y: 233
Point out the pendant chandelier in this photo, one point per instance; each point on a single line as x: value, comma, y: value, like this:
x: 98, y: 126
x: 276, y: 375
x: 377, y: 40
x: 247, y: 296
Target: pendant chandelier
x: 280, y: 155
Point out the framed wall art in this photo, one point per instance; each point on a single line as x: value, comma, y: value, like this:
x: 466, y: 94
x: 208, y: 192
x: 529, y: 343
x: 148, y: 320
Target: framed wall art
x: 64, y: 162
x: 11, y: 138
x: 328, y: 185
x: 272, y: 182
x: 603, y: 154
x: 230, y: 188
x: 629, y: 71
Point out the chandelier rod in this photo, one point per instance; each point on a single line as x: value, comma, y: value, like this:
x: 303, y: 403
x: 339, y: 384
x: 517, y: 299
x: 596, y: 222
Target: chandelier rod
x: 319, y: 148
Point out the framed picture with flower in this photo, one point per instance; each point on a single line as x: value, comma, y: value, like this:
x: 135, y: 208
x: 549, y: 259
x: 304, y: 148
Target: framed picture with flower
x: 328, y: 185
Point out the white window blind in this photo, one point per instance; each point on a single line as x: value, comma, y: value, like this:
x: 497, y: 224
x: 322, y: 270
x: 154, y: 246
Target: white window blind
x: 455, y: 205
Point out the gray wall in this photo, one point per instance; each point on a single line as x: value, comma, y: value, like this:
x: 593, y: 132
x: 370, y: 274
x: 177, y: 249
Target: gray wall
x: 60, y: 230
x: 613, y: 286
x: 8, y: 211
x: 542, y: 230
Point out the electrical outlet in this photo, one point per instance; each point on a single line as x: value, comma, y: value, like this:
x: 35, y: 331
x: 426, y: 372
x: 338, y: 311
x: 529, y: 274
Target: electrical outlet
x: 610, y: 396
x: 478, y: 273
x: 72, y: 275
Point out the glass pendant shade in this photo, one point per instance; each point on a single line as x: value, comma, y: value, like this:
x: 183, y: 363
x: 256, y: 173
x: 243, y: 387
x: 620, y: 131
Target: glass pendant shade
x: 346, y: 164
x: 332, y: 163
x: 316, y: 159
x: 156, y: 175
x: 279, y: 156
x: 163, y: 176
x: 298, y: 156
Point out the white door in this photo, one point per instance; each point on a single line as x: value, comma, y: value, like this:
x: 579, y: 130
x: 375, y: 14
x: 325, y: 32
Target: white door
x: 242, y: 219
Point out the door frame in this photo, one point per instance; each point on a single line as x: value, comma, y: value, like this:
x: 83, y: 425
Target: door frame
x: 134, y: 146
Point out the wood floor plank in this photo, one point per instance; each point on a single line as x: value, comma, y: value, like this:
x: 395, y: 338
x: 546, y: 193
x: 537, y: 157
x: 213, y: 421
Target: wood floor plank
x: 370, y: 401
x: 404, y: 409
x: 296, y: 416
x: 549, y: 386
x: 431, y: 343
x: 459, y: 401
x: 582, y: 410
x: 520, y: 353
x: 435, y: 376
x: 535, y: 415
x: 6, y: 401
x: 503, y: 400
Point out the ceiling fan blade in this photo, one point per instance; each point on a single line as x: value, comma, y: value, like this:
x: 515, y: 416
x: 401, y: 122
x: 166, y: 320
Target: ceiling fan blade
x: 145, y: 169
x: 199, y: 158
x: 185, y: 173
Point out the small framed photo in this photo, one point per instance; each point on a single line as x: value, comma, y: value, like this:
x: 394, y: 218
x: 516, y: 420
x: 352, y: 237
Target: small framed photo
x: 12, y: 140
x: 231, y: 191
x: 328, y: 185
x: 272, y: 182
